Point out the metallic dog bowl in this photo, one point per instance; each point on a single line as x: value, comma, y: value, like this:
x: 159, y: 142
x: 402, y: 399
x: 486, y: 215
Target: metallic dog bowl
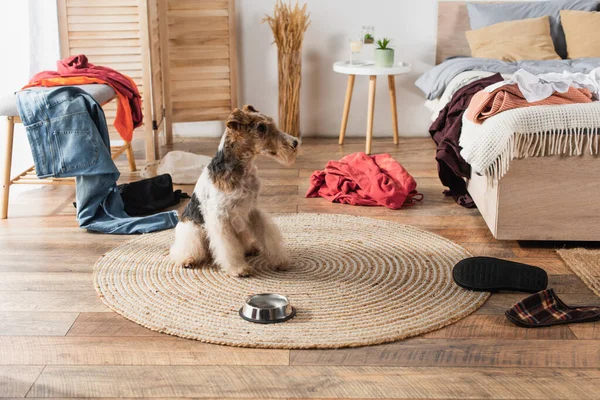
x: 267, y: 308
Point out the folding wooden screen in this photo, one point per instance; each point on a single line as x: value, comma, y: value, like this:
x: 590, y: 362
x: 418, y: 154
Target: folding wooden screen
x: 181, y: 54
x: 201, y: 60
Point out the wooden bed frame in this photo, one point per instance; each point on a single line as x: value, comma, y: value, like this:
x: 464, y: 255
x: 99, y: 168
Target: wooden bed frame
x: 541, y: 198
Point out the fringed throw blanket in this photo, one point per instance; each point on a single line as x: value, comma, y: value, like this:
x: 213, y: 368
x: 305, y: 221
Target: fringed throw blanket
x: 569, y: 130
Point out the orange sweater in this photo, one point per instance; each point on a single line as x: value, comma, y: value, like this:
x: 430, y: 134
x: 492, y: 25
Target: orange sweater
x: 486, y: 104
x: 123, y: 120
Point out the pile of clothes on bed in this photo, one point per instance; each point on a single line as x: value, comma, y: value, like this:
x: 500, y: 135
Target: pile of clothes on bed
x: 487, y: 112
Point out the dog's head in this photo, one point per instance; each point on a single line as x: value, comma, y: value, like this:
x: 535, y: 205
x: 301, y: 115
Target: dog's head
x: 252, y: 132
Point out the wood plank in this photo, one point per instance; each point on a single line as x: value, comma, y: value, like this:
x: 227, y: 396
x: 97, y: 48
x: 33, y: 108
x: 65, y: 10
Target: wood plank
x: 198, y: 70
x: 200, y: 84
x: 497, y: 327
x: 310, y: 382
x: 500, y: 302
x: 104, y: 50
x: 102, y: 10
x: 198, y: 39
x: 199, y: 76
x: 98, y: 18
x: 46, y: 281
x: 63, y: 32
x: 108, y: 324
x: 103, y: 3
x: 461, y: 353
x: 35, y: 323
x: 126, y: 34
x: 97, y: 43
x: 589, y: 330
x: 116, y: 27
x: 158, y: 350
x: 51, y: 301
x: 193, y: 63
x: 187, y: 98
x: 233, y: 55
x: 199, y: 54
x: 499, y: 249
x: 117, y: 59
x: 193, y: 114
x: 15, y: 381
x: 191, y: 5
x: 201, y: 12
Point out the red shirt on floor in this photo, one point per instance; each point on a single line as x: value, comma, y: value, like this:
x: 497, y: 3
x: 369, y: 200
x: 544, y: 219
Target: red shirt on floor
x: 360, y: 179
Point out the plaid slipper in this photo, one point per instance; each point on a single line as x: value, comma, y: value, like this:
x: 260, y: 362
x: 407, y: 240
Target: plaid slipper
x: 546, y: 309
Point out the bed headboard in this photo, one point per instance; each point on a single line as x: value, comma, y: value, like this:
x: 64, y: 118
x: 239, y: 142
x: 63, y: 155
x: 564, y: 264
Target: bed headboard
x: 453, y: 22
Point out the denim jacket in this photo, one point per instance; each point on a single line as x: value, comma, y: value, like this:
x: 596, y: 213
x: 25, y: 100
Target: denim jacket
x: 67, y: 132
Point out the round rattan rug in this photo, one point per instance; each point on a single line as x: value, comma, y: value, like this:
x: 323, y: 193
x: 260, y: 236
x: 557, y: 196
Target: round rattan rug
x: 354, y: 281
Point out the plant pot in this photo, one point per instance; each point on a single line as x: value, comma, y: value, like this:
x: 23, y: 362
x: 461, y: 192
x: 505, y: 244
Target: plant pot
x: 384, y: 58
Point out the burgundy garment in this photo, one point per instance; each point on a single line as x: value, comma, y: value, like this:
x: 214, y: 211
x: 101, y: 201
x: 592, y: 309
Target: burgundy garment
x: 364, y: 180
x: 445, y: 132
x: 79, y: 66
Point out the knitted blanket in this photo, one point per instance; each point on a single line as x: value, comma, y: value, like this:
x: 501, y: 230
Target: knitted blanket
x: 539, y: 131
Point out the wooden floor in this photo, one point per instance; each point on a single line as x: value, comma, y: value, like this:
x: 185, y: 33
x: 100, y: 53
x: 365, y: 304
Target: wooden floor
x: 57, y: 339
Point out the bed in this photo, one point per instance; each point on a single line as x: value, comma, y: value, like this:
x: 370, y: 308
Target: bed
x: 553, y: 197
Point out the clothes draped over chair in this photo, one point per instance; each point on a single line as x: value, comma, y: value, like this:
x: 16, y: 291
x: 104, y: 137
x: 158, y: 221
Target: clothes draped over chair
x: 67, y: 132
x: 360, y: 179
x: 77, y: 70
x: 445, y: 132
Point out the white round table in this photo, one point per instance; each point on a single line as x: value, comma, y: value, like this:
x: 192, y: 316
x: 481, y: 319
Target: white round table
x: 368, y: 68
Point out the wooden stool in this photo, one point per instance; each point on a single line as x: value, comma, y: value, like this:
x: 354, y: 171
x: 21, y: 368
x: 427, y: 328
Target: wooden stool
x: 103, y: 94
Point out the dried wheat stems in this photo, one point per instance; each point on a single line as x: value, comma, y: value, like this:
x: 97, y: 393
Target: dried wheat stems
x: 288, y: 24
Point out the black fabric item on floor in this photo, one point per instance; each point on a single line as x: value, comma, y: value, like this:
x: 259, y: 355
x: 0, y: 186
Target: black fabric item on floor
x: 150, y: 195
x: 487, y: 274
x: 445, y: 132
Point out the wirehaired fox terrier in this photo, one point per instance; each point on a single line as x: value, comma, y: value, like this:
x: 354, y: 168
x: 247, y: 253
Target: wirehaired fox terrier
x: 222, y: 221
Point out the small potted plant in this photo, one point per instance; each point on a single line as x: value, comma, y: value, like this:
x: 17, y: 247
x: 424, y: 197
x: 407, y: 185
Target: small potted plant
x: 384, y: 54
x: 368, y: 39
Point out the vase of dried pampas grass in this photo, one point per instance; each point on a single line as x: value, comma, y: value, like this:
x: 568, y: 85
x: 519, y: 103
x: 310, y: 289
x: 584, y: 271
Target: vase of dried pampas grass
x: 288, y: 24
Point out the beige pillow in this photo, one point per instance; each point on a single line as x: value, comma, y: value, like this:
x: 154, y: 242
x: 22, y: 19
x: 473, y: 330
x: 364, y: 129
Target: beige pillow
x: 582, y: 30
x: 524, y: 39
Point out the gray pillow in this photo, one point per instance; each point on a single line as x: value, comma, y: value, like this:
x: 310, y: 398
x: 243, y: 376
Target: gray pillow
x: 481, y: 15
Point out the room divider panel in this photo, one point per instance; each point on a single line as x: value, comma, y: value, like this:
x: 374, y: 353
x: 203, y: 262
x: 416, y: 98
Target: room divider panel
x: 180, y: 53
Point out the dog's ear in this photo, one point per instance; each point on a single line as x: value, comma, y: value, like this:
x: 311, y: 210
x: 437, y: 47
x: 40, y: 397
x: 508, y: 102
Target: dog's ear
x: 249, y: 108
x: 237, y: 119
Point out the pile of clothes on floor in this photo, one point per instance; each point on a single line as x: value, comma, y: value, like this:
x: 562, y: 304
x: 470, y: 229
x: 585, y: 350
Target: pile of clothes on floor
x: 364, y: 180
x: 68, y: 135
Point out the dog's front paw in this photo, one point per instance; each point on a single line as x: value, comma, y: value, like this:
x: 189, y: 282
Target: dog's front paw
x: 239, y: 271
x: 252, y: 252
x: 281, y: 262
x: 187, y: 262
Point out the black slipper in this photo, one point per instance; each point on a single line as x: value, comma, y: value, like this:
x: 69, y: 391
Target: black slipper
x: 487, y: 274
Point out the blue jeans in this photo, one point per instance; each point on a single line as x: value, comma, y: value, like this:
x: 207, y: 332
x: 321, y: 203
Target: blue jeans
x: 67, y: 132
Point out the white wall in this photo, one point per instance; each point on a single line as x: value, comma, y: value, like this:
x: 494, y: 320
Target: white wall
x: 29, y: 43
x: 412, y: 25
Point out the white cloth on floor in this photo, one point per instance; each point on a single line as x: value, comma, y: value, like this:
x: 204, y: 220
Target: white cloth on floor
x: 540, y: 87
x: 185, y: 168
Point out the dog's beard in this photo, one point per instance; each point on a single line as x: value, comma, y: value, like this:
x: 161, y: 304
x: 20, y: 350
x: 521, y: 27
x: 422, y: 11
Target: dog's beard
x: 284, y: 155
x: 288, y: 157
